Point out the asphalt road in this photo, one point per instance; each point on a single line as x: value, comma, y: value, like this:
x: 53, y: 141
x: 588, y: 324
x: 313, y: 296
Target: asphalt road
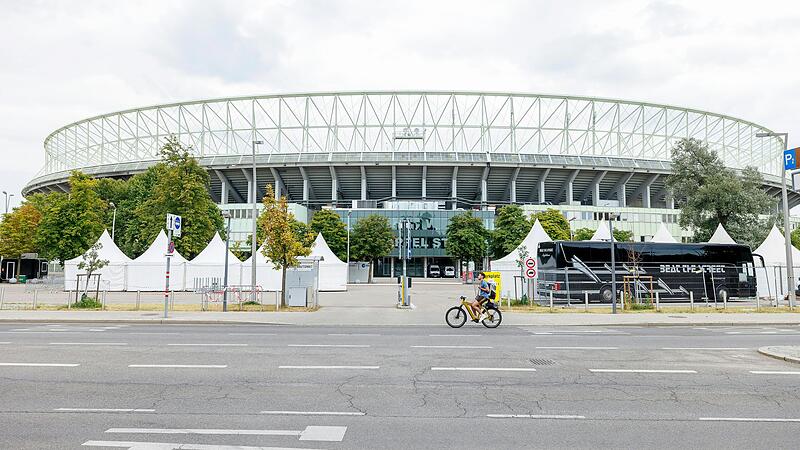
x: 198, y: 386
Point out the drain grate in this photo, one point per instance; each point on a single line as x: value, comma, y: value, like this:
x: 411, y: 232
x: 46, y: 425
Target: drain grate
x: 542, y: 362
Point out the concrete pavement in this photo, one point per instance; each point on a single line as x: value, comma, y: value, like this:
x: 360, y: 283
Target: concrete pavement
x: 336, y: 387
x: 789, y: 353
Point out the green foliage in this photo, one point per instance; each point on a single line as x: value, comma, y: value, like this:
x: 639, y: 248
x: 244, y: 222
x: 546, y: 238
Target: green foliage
x: 87, y: 302
x: 708, y: 194
x: 18, y: 231
x: 71, y: 223
x: 466, y: 237
x: 371, y: 238
x: 795, y: 236
x: 91, y: 263
x: 333, y: 229
x: 510, y: 228
x: 554, y: 223
x: 584, y: 234
x: 279, y: 229
x: 177, y: 185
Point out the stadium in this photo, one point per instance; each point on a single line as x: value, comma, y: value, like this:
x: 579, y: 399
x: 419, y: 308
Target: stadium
x: 422, y: 156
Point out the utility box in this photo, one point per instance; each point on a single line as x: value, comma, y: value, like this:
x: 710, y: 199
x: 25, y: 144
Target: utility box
x: 358, y: 272
x: 302, y: 283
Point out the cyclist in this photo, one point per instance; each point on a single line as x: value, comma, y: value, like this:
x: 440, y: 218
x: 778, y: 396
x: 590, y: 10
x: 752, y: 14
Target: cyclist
x: 483, y: 296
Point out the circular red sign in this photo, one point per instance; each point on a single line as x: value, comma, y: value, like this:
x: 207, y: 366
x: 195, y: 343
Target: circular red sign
x: 530, y: 263
x: 530, y: 273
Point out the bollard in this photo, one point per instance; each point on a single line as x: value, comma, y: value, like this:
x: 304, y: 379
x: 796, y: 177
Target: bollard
x: 138, y: 299
x: 724, y: 299
x: 691, y: 301
x: 658, y: 306
x: 171, y: 299
x: 35, y: 298
x: 586, y: 301
x: 622, y: 300
x: 758, y: 302
x: 551, y: 301
x: 69, y: 298
x: 2, y: 295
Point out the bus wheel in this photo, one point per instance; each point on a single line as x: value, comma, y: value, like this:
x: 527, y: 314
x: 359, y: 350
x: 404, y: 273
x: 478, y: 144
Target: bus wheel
x: 606, y: 295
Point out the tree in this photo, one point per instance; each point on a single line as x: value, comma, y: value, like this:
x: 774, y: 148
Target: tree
x: 584, y: 234
x: 71, y: 223
x: 331, y: 226
x: 18, y: 232
x: 91, y: 263
x: 510, y: 228
x: 177, y: 185
x: 371, y: 238
x: 281, y: 245
x: 709, y: 193
x: 466, y: 237
x: 554, y: 223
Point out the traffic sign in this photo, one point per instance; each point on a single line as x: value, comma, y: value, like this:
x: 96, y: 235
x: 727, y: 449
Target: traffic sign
x: 174, y: 224
x: 530, y: 273
x: 530, y: 263
x: 790, y: 158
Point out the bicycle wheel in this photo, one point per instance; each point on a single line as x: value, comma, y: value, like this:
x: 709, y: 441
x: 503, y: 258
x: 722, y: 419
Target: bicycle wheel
x: 493, y: 318
x: 455, y: 317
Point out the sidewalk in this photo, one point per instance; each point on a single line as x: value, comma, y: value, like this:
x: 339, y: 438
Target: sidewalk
x: 790, y: 353
x: 390, y: 316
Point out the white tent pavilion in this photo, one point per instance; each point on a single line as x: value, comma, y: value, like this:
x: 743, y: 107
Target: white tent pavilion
x: 209, y: 266
x: 663, y: 235
x: 332, y: 270
x: 602, y: 233
x: 507, y: 265
x: 772, y: 278
x: 148, y: 271
x: 113, y: 277
x: 267, y: 276
x: 721, y: 236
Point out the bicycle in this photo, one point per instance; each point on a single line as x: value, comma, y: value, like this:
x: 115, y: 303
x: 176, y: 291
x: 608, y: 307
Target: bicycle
x: 456, y: 316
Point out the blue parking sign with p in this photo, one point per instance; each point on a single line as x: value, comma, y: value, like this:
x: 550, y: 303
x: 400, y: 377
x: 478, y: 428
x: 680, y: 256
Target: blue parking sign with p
x: 790, y: 159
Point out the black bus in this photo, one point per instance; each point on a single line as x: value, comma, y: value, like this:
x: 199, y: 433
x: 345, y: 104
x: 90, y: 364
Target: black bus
x: 569, y: 269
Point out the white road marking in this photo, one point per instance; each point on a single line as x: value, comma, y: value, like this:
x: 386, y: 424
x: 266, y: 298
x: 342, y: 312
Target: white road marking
x: 154, y: 333
x: 5, y: 342
x: 704, y: 348
x: 38, y: 365
x: 352, y: 334
x: 310, y: 433
x: 179, y: 366
x: 746, y: 419
x: 330, y: 367
x: 329, y: 345
x: 774, y: 372
x: 640, y: 371
x: 455, y: 335
x: 97, y: 329
x: 88, y: 343
x: 21, y: 329
x: 453, y: 346
x: 103, y: 410
x: 534, y: 416
x: 313, y: 413
x: 488, y: 369
x: 578, y: 348
x: 41, y: 332
x: 135, y: 445
x: 208, y: 345
x: 252, y: 334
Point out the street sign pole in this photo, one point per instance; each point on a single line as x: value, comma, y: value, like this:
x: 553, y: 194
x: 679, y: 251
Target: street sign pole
x: 791, y: 283
x: 166, y: 287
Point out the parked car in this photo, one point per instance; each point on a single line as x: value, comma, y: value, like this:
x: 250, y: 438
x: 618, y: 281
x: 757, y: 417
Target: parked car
x: 434, y: 272
x: 449, y: 271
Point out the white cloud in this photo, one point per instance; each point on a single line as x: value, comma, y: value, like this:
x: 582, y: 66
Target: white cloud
x: 64, y: 61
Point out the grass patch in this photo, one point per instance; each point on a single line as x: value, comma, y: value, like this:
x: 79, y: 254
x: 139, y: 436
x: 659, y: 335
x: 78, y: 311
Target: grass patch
x: 87, y: 302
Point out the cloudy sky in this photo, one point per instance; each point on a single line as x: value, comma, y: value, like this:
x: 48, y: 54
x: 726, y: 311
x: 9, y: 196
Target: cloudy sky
x: 61, y: 61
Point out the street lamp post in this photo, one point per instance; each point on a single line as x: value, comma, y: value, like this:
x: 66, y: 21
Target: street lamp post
x: 227, y: 216
x: 611, y: 218
x: 790, y: 281
x: 8, y: 199
x: 113, y: 220
x: 253, y: 249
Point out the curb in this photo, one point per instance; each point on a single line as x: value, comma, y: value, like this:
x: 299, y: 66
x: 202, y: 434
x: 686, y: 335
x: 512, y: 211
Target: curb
x: 143, y: 321
x: 765, y: 352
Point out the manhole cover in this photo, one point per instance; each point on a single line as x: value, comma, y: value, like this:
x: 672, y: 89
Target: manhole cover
x: 542, y: 362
